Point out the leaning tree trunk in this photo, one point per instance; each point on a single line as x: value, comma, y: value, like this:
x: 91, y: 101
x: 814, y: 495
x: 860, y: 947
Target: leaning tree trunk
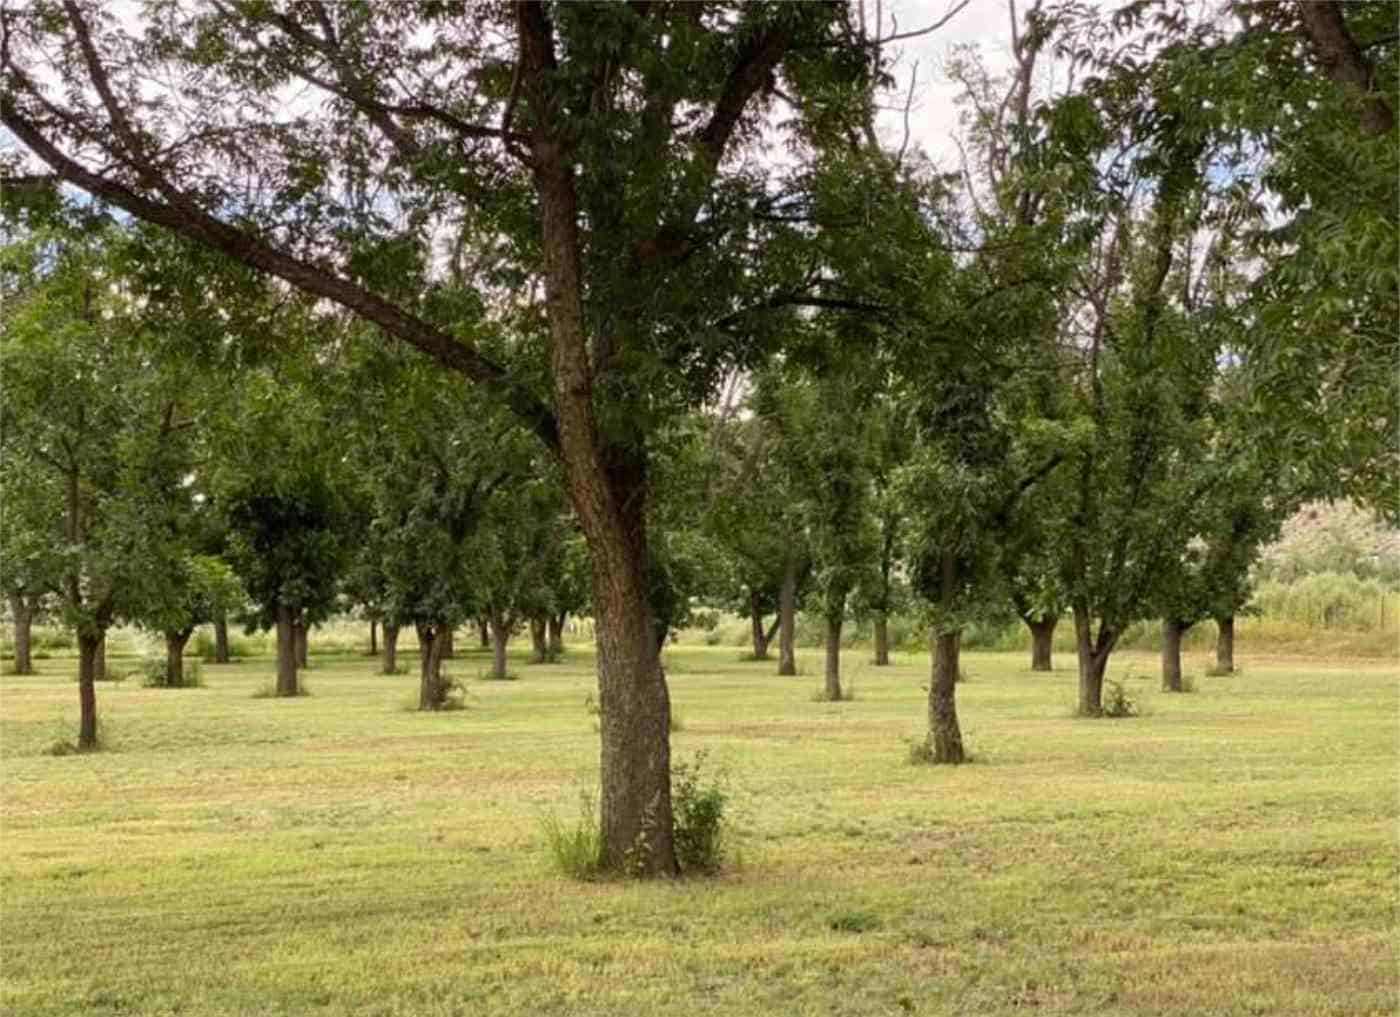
x: 787, y: 619
x: 175, y: 658
x: 1042, y: 641
x: 1172, y: 631
x: 431, y: 693
x: 391, y: 649
x: 221, y: 639
x: 944, y: 734
x: 539, y: 641
x: 89, y: 645
x: 1093, y: 660
x: 1225, y: 645
x: 500, y: 637
x: 24, y: 622
x: 286, y: 652
x: 882, y: 639
x: 831, y: 689
x: 373, y: 637
x: 760, y: 635
x: 555, y: 626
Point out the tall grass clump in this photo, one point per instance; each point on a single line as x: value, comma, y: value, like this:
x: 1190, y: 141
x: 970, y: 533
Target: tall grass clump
x: 576, y: 848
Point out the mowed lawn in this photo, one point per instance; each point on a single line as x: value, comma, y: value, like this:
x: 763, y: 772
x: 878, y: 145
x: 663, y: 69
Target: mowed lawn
x: 1231, y: 851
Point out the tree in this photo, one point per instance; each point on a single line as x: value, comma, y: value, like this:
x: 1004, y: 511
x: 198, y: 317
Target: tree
x: 633, y: 120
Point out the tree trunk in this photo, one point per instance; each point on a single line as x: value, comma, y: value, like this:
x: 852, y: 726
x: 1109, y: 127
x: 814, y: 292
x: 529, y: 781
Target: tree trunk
x: 391, y: 649
x: 286, y: 652
x: 1042, y: 641
x: 1172, y: 632
x: 175, y: 658
x: 89, y: 646
x: 760, y: 636
x: 1225, y: 645
x: 832, y: 688
x: 447, y: 638
x: 483, y: 629
x: 787, y: 619
x: 882, y: 640
x: 430, y: 690
x: 1345, y: 62
x: 99, y: 665
x: 221, y: 640
x: 539, y: 641
x: 1093, y: 660
x: 373, y: 637
x: 944, y: 734
x: 500, y: 636
x: 24, y: 623
x: 299, y: 637
x: 556, y: 635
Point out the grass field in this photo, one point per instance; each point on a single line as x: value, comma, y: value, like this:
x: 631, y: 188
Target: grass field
x: 1232, y: 851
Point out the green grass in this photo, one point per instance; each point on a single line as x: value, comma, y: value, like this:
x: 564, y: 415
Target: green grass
x: 1230, y: 852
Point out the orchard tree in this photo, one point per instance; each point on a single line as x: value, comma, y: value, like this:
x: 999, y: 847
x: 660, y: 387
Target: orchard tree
x: 605, y: 156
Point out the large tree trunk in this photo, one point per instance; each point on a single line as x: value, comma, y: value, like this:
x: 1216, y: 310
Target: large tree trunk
x: 944, y: 734
x: 286, y: 652
x: 88, y: 646
x: 1345, y: 62
x: 882, y: 640
x: 373, y: 637
x: 1093, y: 660
x: 221, y: 640
x: 391, y: 649
x: 1042, y: 641
x: 1225, y: 645
x: 175, y: 658
x: 1172, y: 631
x: 430, y: 690
x: 447, y: 638
x: 500, y: 637
x: 24, y: 623
x: 300, y: 640
x: 539, y: 640
x: 556, y: 635
x: 787, y: 619
x: 831, y: 689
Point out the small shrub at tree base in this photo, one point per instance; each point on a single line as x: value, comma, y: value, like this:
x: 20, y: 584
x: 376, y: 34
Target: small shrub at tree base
x: 698, y: 813
x: 1188, y: 684
x: 155, y: 675
x: 269, y: 690
x: 577, y: 849
x: 1116, y: 701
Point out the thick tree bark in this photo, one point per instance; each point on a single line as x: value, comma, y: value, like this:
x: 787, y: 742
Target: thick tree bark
x: 1042, y: 641
x: 373, y: 637
x: 1172, y: 631
x: 391, y: 649
x: 99, y: 665
x: 88, y: 646
x: 221, y: 640
x: 24, y: 624
x: 1093, y: 660
x: 1225, y: 645
x: 787, y: 619
x: 882, y: 640
x: 286, y: 652
x: 831, y: 689
x: 539, y: 640
x: 500, y: 637
x: 175, y: 658
x: 944, y: 734
x: 483, y: 630
x: 431, y: 694
x: 1343, y: 61
x: 447, y: 638
x: 300, y: 640
x: 556, y: 635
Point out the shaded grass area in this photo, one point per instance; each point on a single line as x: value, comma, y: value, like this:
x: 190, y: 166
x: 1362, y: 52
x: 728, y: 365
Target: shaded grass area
x: 1229, y: 852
